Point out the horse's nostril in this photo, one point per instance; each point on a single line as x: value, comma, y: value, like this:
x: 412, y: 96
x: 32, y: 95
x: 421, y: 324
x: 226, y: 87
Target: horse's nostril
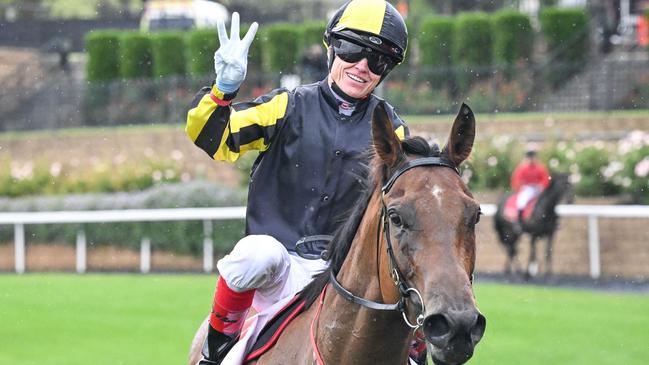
x: 436, y: 329
x: 478, y: 328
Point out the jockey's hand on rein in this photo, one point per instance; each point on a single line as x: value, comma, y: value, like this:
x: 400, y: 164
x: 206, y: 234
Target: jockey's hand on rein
x: 231, y: 59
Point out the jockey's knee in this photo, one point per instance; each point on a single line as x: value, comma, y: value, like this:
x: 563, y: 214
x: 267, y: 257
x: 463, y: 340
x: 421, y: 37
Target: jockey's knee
x: 256, y: 261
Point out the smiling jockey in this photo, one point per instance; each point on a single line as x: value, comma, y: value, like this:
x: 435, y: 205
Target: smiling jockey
x: 311, y: 142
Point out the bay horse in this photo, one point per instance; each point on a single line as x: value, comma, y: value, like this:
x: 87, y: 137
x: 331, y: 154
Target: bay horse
x: 400, y: 267
x: 543, y: 222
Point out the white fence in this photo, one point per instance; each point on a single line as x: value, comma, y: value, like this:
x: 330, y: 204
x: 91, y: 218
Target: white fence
x: 207, y: 215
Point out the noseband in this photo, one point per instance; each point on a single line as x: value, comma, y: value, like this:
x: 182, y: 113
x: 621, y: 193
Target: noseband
x: 405, y: 290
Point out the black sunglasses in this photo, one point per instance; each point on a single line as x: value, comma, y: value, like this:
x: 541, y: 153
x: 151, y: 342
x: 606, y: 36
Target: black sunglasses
x: 379, y: 63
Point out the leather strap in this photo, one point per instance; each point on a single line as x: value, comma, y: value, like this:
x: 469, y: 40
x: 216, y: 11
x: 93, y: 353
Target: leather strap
x: 431, y: 161
x: 364, y: 302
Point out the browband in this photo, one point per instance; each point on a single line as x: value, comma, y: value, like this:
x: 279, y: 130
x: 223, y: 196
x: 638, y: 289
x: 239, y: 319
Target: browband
x: 433, y: 161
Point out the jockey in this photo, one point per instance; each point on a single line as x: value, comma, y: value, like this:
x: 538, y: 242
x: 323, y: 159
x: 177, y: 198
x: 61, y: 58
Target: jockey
x: 310, y: 139
x: 528, y: 180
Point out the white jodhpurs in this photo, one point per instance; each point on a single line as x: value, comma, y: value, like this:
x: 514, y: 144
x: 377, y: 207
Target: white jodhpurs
x: 527, y: 193
x: 261, y: 262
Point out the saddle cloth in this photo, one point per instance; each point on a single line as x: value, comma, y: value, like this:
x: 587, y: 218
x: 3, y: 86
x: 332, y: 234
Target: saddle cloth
x: 250, y: 332
x: 274, y: 328
x: 511, y: 213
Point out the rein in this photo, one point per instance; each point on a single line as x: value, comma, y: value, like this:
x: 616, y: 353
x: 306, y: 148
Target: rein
x: 405, y: 290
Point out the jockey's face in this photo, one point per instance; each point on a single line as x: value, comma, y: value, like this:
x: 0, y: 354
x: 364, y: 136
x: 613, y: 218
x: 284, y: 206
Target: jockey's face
x: 355, y: 79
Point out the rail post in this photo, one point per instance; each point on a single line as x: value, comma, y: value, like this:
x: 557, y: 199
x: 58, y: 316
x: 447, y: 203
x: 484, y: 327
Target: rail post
x: 208, y: 246
x: 19, y: 251
x: 145, y: 255
x: 593, y: 246
x: 81, y: 251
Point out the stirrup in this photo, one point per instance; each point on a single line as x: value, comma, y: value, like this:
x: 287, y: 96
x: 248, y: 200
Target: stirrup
x: 216, y: 347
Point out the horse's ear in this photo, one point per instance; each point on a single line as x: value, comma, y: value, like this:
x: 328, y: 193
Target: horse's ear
x: 386, y: 143
x: 460, y: 141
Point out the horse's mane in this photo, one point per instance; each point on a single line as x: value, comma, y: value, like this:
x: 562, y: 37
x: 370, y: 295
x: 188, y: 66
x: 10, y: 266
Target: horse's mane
x: 344, y: 235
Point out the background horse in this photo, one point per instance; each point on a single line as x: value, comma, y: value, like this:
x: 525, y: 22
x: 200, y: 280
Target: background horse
x: 543, y: 222
x: 401, y: 265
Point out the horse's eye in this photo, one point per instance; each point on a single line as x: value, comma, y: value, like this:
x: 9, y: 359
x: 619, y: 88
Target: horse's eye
x: 396, y: 219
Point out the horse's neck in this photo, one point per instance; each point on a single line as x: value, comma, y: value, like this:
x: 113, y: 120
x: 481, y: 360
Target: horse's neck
x: 548, y: 200
x: 357, y: 334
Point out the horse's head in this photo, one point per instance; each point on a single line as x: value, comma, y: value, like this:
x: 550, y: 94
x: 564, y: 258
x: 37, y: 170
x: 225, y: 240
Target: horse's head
x: 560, y: 182
x: 431, y: 218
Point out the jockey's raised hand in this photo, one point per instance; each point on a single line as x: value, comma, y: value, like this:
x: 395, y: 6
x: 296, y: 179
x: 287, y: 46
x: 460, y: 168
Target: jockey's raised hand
x: 231, y: 59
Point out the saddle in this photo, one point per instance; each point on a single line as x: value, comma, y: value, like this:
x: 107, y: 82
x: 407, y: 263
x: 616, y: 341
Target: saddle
x: 273, y: 329
x: 510, y: 212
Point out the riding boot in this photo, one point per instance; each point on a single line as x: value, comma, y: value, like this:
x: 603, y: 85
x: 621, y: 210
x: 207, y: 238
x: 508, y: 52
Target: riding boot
x: 229, y: 312
x: 216, y: 346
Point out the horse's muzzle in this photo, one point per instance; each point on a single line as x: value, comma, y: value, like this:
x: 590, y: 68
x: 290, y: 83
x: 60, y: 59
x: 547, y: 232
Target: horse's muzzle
x: 454, y: 335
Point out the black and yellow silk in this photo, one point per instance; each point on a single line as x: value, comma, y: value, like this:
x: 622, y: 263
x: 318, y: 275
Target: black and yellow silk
x: 306, y: 178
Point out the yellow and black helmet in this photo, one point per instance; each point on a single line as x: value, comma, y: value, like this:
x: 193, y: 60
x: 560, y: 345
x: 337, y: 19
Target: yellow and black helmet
x: 372, y: 23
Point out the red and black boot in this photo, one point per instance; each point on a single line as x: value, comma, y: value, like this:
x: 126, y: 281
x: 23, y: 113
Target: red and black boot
x: 228, y: 315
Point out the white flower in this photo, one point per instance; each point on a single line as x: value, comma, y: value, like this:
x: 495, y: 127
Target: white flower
x: 170, y: 174
x: 176, y: 155
x: 570, y: 154
x: 492, y: 161
x: 626, y: 182
x: 613, y: 168
x: 22, y: 172
x: 55, y: 169
x: 642, y: 168
x: 554, y: 163
x: 156, y: 175
x: 575, y: 178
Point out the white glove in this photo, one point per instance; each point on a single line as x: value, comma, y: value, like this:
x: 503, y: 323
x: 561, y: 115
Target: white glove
x: 231, y: 59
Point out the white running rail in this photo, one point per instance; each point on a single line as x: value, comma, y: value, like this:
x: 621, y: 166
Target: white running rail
x: 207, y: 215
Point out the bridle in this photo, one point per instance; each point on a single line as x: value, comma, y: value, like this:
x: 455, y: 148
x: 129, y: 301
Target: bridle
x: 405, y: 290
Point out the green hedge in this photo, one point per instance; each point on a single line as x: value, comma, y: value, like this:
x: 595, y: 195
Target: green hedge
x: 567, y: 36
x: 255, y: 55
x: 201, y: 45
x: 103, y: 55
x: 281, y: 47
x: 513, y: 37
x: 311, y: 32
x: 472, y: 47
x: 168, y: 54
x: 435, y: 49
x: 436, y: 41
x: 135, y: 55
x: 473, y: 39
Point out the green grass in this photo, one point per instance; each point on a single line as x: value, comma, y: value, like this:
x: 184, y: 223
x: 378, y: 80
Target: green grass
x: 531, y: 325
x: 136, y: 319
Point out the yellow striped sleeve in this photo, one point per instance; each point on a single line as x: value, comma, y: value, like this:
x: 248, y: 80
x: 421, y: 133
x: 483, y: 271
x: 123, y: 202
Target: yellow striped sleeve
x: 251, y: 128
